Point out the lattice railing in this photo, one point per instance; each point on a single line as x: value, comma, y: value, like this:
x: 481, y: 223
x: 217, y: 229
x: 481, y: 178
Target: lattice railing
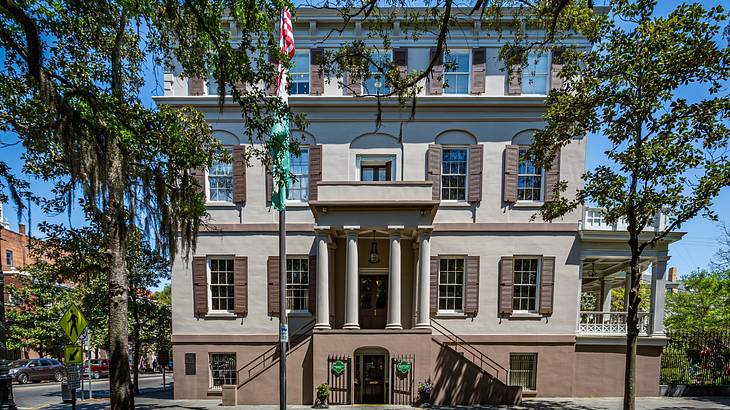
x: 610, y: 322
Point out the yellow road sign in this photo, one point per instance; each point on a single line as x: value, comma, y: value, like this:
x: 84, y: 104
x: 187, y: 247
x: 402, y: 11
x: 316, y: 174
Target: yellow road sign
x: 73, y: 323
x: 74, y: 354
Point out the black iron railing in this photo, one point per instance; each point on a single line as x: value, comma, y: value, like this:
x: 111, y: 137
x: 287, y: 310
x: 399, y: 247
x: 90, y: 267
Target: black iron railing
x: 697, y: 358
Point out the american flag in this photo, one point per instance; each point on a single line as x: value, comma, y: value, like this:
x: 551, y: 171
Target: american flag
x: 286, y: 45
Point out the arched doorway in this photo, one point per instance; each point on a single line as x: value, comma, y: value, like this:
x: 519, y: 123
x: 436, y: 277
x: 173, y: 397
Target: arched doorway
x: 371, y: 375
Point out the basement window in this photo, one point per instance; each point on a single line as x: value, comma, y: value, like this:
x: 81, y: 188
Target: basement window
x: 523, y: 370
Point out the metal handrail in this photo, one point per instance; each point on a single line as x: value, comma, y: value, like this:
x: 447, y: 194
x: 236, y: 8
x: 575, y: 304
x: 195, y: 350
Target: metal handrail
x: 262, y: 359
x: 483, y: 359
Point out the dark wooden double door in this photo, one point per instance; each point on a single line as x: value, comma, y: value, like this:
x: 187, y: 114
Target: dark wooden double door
x: 373, y: 301
x: 370, y: 379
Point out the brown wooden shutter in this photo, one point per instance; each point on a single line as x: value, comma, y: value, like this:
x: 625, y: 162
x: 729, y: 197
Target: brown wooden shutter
x: 316, y: 75
x: 269, y: 185
x: 272, y: 269
x: 476, y: 158
x: 471, y: 296
x: 511, y: 163
x: 434, y: 299
x: 271, y: 87
x: 515, y: 80
x: 199, y: 176
x: 240, y: 285
x: 547, y: 285
x: 200, y: 286
x: 352, y: 84
x: 400, y: 57
x: 506, y: 285
x: 312, y: 284
x: 478, y: 70
x: 239, y: 173
x: 196, y: 86
x: 556, y: 82
x: 315, y: 170
x: 433, y: 169
x: 552, y: 177
x: 436, y: 77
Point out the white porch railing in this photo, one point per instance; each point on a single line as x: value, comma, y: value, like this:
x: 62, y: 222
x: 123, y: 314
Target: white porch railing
x: 593, y: 220
x: 610, y: 322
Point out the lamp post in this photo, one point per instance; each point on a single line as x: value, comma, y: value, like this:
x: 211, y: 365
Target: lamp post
x: 6, y: 381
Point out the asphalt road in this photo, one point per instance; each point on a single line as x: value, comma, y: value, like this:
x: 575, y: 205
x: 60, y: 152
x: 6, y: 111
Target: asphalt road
x: 37, y: 395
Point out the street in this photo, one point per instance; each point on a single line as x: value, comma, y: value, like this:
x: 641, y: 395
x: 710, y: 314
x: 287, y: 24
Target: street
x: 33, y: 396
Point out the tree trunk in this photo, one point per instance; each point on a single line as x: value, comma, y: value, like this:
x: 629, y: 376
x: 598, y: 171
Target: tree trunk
x: 632, y: 328
x: 137, y: 345
x: 119, y: 383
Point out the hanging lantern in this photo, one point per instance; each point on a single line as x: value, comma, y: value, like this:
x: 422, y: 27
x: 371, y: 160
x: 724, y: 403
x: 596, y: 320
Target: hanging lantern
x: 374, y: 257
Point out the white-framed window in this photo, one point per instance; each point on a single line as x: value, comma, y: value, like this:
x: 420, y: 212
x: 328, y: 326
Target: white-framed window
x: 220, y: 182
x: 451, y: 284
x: 376, y: 83
x: 371, y: 168
x: 9, y: 258
x: 526, y: 284
x: 297, y: 283
x: 300, y: 73
x: 457, y: 67
x: 299, y: 167
x: 220, y: 281
x: 535, y: 74
x: 454, y: 169
x: 222, y: 370
x: 523, y: 370
x: 529, y: 179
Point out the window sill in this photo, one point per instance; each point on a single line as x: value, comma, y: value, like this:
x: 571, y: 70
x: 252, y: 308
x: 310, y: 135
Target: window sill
x: 451, y: 315
x: 220, y: 315
x: 454, y: 204
x: 297, y: 204
x: 220, y: 204
x: 525, y: 315
x: 528, y: 204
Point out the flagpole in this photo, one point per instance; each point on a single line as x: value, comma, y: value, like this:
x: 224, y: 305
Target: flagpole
x: 283, y: 325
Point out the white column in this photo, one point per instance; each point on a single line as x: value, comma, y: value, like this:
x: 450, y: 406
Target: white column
x: 424, y: 278
x: 332, y: 269
x: 323, y: 286
x: 414, y: 290
x: 606, y: 294
x: 658, y: 291
x: 580, y: 295
x: 394, y: 280
x: 351, y: 280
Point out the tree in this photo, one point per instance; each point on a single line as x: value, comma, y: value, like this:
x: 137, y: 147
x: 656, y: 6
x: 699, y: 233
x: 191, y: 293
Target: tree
x: 703, y: 305
x: 667, y: 153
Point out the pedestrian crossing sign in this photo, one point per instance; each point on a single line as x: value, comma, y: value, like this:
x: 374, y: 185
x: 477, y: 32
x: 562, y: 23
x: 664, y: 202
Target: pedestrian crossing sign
x: 73, y: 354
x: 73, y: 323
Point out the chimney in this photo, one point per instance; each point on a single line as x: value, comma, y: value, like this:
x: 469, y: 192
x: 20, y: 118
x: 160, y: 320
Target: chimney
x: 673, y: 274
x: 21, y: 229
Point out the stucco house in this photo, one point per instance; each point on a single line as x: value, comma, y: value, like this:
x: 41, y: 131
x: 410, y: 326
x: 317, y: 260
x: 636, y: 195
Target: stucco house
x: 412, y: 255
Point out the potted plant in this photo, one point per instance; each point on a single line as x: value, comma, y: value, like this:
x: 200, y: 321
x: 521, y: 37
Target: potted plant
x: 424, y: 393
x: 323, y: 395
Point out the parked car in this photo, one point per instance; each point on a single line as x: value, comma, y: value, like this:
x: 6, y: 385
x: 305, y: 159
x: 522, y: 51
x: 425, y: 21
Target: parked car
x: 99, y: 368
x: 35, y: 370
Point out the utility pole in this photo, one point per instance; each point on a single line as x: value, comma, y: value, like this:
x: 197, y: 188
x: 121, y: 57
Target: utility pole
x: 283, y: 325
x: 6, y: 381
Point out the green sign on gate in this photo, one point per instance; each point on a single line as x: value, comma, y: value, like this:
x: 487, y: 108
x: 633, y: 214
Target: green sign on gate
x: 403, y: 366
x: 338, y: 366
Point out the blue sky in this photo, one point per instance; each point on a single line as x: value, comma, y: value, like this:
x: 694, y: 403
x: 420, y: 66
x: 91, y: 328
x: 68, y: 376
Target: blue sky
x: 693, y: 251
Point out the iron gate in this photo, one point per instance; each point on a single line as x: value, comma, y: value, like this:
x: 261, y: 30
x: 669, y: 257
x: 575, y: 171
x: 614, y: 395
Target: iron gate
x: 401, y: 379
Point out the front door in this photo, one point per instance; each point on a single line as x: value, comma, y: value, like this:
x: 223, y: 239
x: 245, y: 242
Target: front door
x: 370, y: 386
x: 373, y: 301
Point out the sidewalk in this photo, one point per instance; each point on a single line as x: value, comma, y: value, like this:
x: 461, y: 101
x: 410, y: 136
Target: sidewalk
x: 162, y: 400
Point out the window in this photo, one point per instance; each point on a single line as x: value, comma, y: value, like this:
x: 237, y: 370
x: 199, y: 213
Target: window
x: 535, y: 74
x: 523, y: 370
x: 220, y: 182
x: 456, y: 72
x: 297, y: 284
x: 525, y: 284
x: 190, y: 367
x: 300, y: 73
x: 529, y: 179
x: 221, y: 285
x: 299, y: 167
x: 9, y: 258
x: 376, y: 168
x: 376, y: 83
x: 451, y: 284
x: 222, y: 369
x: 453, y: 174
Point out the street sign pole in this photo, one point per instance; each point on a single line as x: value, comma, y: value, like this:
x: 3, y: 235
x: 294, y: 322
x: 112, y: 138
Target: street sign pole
x: 283, y: 325
x: 88, y: 363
